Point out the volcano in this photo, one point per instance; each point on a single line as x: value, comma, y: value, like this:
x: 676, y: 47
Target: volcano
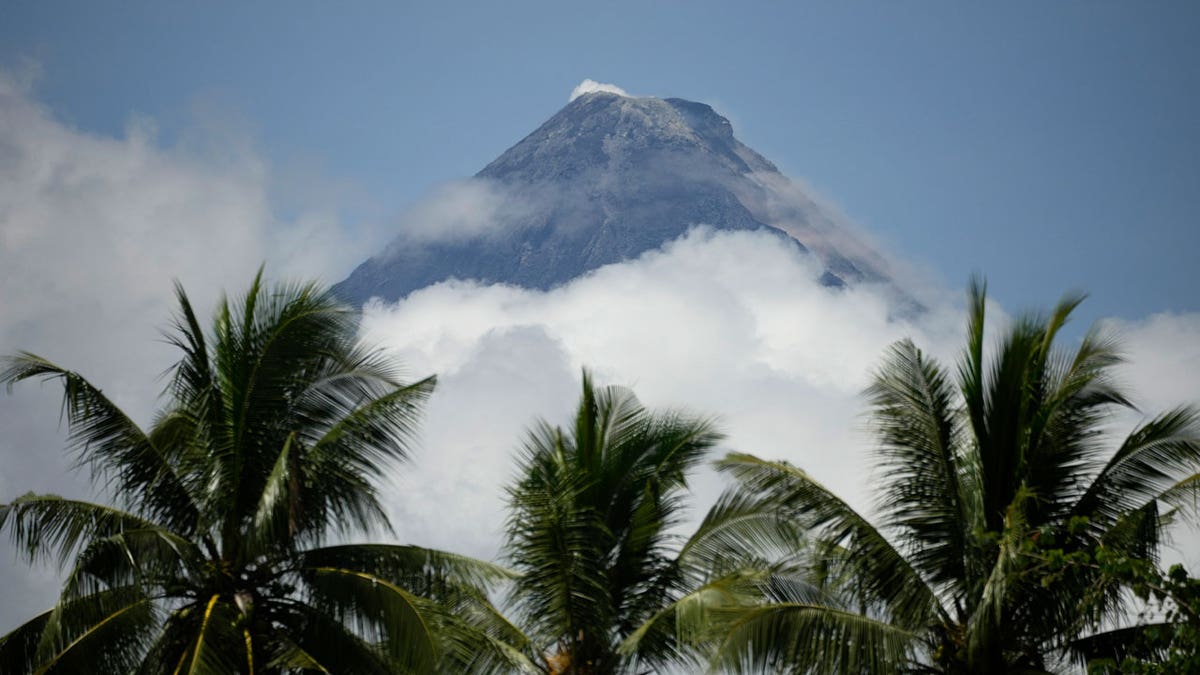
x: 604, y: 180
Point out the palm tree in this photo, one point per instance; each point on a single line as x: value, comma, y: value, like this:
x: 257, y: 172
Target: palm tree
x: 979, y: 474
x: 224, y: 550
x: 605, y: 585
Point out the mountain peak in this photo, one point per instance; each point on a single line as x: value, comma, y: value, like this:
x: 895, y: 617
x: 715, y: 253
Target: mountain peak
x: 600, y: 128
x: 605, y: 179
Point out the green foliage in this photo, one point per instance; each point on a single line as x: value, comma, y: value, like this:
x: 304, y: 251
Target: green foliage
x: 1168, y: 647
x: 1007, y: 535
x: 216, y: 555
x: 605, y: 586
x: 1166, y: 638
x: 976, y: 466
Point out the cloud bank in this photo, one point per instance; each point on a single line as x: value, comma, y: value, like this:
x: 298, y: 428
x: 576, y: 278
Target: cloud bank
x: 729, y: 324
x: 93, y: 230
x: 732, y: 324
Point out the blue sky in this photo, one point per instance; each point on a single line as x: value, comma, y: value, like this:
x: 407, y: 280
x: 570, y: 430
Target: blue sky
x: 1048, y: 145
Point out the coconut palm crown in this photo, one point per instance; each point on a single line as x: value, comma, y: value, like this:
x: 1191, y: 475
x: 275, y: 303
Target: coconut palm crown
x: 223, y: 548
x: 977, y: 470
x: 591, y: 521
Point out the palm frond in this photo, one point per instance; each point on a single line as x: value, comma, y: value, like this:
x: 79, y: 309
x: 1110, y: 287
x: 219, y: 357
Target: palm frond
x: 381, y: 611
x: 264, y: 361
x: 18, y: 648
x: 971, y: 365
x: 421, y: 570
x: 476, y: 638
x: 345, y: 461
x: 1117, y: 644
x: 684, y: 631
x: 879, y: 571
x: 171, y: 646
x: 103, y: 632
x: 276, y: 517
x: 1184, y: 495
x: 342, y: 381
x: 804, y: 637
x: 1066, y: 439
x: 986, y: 624
x: 737, y: 533
x: 559, y: 547
x: 311, y: 640
x: 111, y: 444
x: 277, y: 429
x: 590, y: 524
x: 216, y: 646
x: 51, y: 527
x: 1154, y: 458
x: 149, y: 557
x: 1012, y: 395
x: 914, y: 409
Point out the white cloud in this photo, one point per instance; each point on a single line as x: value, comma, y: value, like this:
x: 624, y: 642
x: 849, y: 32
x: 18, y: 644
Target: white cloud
x: 460, y: 210
x: 1163, y: 358
x: 1162, y: 370
x: 592, y: 86
x: 731, y: 324
x: 93, y: 229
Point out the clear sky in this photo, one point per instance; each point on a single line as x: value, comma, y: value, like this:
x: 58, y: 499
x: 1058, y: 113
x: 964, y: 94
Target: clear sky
x: 1048, y: 145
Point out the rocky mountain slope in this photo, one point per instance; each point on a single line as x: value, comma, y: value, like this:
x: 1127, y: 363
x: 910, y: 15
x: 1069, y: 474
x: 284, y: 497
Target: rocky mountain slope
x: 605, y: 179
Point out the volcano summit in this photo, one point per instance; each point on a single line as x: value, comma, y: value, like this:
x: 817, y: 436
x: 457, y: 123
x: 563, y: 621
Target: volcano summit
x: 604, y: 180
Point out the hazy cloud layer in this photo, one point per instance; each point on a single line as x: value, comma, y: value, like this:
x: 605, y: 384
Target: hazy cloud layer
x: 460, y: 210
x: 798, y: 209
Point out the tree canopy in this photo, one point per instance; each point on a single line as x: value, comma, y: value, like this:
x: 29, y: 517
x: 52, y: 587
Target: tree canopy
x: 973, y: 464
x: 1010, y: 532
x: 226, y: 546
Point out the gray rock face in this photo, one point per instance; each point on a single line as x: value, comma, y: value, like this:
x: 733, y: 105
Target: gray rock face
x: 605, y: 179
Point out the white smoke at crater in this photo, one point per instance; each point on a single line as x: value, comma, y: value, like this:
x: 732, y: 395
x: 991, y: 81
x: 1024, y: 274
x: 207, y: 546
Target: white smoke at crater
x: 591, y: 86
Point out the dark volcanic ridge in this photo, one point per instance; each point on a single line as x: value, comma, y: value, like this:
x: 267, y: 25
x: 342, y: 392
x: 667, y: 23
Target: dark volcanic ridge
x: 604, y: 180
